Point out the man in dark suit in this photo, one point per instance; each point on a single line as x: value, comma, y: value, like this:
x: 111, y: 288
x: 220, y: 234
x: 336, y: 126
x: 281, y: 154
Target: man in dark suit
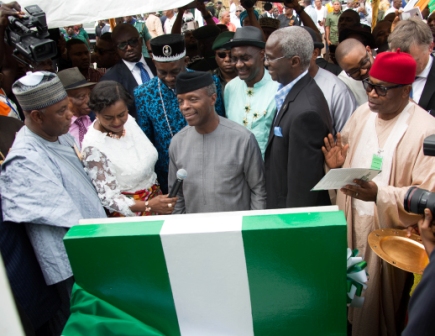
x: 133, y: 69
x: 414, y: 37
x: 294, y: 164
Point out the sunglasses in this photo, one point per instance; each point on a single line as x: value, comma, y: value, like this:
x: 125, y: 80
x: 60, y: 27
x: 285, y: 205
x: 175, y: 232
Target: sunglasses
x: 131, y: 42
x: 223, y: 54
x: 380, y: 90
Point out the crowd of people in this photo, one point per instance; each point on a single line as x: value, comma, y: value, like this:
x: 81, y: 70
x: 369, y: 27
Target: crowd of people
x: 256, y: 104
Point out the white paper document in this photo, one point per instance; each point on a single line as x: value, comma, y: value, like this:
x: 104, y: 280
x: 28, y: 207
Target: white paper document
x: 338, y: 178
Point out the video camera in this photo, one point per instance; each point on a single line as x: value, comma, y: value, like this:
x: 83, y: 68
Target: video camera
x: 416, y: 199
x: 28, y: 35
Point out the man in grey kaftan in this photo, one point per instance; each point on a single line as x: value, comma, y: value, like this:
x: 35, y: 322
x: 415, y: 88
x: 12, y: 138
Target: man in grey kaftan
x: 224, y: 164
x: 43, y: 184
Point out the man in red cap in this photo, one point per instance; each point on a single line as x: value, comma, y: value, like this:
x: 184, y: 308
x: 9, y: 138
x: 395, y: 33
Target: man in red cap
x: 386, y: 133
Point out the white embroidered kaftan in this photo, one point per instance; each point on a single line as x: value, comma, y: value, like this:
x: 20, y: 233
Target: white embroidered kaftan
x: 119, y: 165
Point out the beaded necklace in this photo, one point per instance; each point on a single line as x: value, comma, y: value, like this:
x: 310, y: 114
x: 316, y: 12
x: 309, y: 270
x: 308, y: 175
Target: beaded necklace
x: 164, y: 109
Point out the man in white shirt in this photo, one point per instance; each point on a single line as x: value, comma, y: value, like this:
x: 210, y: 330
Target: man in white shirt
x: 320, y: 23
x: 170, y: 19
x: 310, y: 10
x: 414, y: 37
x: 397, y: 5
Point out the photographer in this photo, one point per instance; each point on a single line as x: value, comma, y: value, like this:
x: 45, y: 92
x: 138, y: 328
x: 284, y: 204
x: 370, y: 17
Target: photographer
x: 8, y: 64
x: 422, y: 304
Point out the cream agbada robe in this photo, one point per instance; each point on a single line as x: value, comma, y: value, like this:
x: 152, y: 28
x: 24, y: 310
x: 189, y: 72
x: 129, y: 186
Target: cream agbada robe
x: 409, y: 167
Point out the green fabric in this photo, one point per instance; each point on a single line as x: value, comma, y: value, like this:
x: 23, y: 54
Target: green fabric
x: 145, y: 34
x: 92, y: 316
x: 296, y: 276
x: 124, y: 265
x: 332, y: 22
x: 254, y: 107
x: 431, y: 5
x: 83, y: 36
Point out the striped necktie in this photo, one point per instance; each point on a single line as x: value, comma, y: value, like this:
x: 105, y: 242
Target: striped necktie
x: 143, y: 73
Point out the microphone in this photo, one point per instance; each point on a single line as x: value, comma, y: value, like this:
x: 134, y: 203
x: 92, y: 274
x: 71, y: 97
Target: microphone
x: 181, y: 175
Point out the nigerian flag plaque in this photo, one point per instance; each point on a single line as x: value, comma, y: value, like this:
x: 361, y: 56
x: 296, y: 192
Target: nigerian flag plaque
x: 239, y: 273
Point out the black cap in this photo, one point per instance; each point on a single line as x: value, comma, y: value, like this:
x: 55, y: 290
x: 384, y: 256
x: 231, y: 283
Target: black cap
x: 316, y: 37
x: 168, y: 48
x: 191, y: 81
x: 247, y: 36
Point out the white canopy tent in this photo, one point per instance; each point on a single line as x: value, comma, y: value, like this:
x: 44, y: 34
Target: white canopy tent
x: 61, y: 13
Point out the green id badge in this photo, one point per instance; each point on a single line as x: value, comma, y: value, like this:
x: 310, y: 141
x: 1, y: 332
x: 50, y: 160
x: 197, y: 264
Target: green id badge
x: 376, y: 162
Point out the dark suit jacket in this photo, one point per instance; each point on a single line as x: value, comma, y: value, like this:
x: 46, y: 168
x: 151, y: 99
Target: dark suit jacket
x: 427, y: 99
x: 121, y: 74
x: 294, y: 163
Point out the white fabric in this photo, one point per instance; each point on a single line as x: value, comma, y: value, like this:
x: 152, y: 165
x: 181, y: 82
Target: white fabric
x: 420, y: 81
x: 119, y: 165
x: 168, y: 24
x: 227, y: 308
x: 391, y: 10
x: 356, y: 87
x: 368, y: 145
x: 321, y: 14
x: 10, y: 323
x: 135, y: 71
x: 87, y: 11
x: 312, y: 12
x: 32, y: 78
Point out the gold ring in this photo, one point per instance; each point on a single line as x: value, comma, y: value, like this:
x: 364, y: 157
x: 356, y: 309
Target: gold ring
x: 169, y: 205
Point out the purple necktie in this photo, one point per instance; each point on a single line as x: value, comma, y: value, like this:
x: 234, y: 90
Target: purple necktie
x: 82, y: 129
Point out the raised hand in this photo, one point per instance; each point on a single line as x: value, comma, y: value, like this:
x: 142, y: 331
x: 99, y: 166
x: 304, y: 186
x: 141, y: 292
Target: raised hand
x: 9, y: 9
x: 334, y: 151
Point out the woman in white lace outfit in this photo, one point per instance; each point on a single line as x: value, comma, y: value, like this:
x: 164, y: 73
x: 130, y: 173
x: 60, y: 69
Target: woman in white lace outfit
x: 119, y: 158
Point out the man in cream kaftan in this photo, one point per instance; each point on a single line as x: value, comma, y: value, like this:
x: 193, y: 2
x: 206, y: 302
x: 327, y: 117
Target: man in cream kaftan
x: 389, y: 130
x: 409, y: 166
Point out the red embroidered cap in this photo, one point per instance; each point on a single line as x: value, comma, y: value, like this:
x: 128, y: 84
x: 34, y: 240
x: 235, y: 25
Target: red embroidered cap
x: 394, y: 67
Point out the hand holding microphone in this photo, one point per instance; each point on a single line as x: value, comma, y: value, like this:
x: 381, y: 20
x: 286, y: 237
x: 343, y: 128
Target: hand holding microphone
x: 181, y: 175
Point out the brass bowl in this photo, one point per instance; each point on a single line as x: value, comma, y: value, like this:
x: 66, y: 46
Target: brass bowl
x: 393, y: 246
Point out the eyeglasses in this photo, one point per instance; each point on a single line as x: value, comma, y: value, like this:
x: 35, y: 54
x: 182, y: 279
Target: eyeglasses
x: 243, y: 58
x: 271, y: 60
x: 131, y: 42
x: 223, y: 54
x: 380, y: 90
x: 364, y: 64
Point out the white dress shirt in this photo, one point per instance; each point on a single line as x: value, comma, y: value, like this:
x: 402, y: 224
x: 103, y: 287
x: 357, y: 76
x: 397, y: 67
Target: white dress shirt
x: 420, y: 81
x: 168, y: 24
x: 135, y: 71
